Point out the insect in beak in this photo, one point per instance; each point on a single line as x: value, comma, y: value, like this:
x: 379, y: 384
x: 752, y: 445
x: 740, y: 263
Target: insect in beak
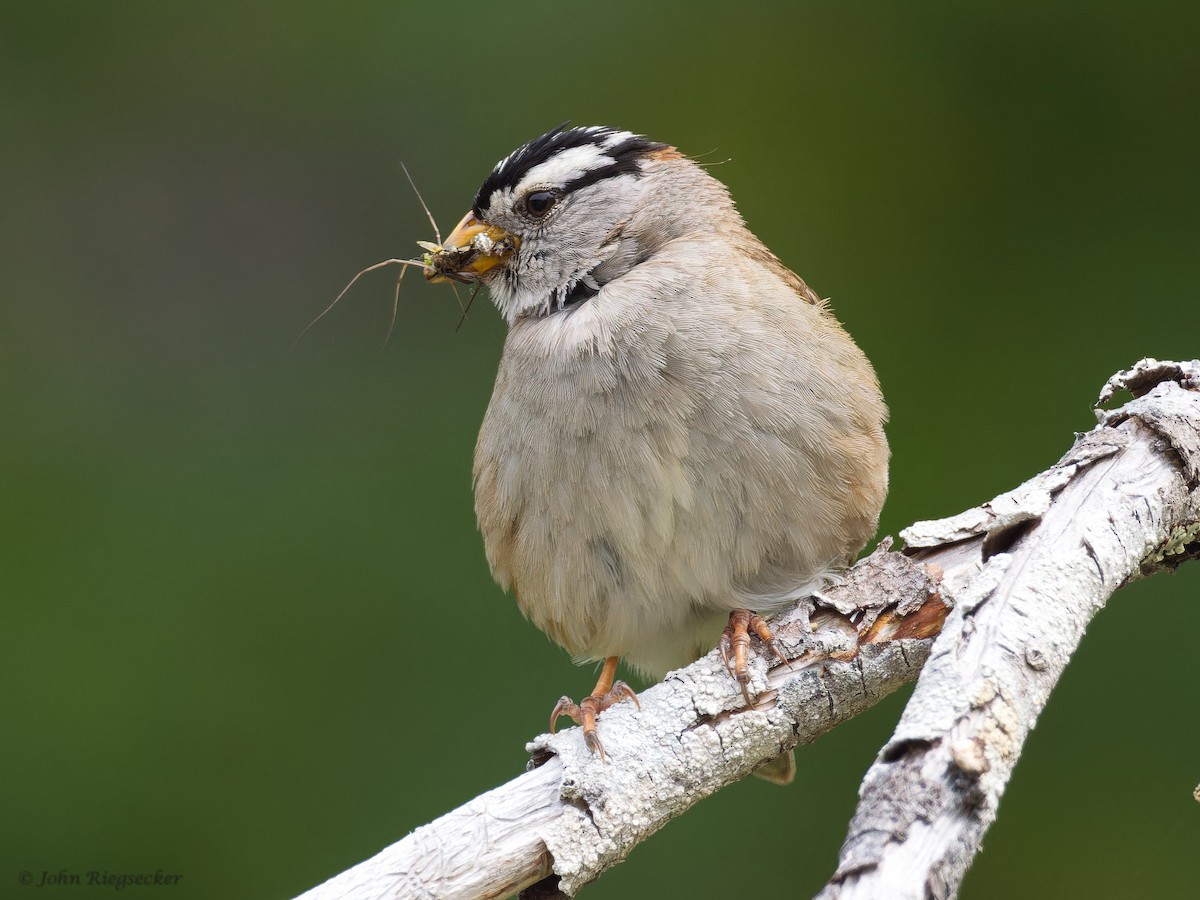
x: 444, y: 263
x: 471, y: 249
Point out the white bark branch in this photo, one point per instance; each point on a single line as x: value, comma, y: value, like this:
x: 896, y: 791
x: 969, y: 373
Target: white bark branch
x: 574, y: 816
x: 1123, y: 502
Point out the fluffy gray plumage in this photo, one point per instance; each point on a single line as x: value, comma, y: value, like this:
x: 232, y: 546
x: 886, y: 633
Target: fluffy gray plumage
x: 679, y: 425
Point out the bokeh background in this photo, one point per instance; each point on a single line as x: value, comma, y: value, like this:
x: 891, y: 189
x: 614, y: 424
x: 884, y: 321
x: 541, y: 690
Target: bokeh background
x: 249, y: 633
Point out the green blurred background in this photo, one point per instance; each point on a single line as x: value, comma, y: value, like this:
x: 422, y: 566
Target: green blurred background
x: 249, y: 632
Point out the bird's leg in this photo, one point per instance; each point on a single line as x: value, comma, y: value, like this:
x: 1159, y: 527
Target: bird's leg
x: 607, y: 693
x: 735, y: 642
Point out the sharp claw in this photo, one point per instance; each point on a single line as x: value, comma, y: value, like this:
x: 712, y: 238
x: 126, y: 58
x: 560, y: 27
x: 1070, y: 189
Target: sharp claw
x: 783, y: 659
x: 564, y: 707
x: 743, y: 680
x: 735, y: 641
x: 622, y: 691
x: 607, y: 693
x: 760, y: 628
x: 591, y: 740
x: 724, y: 648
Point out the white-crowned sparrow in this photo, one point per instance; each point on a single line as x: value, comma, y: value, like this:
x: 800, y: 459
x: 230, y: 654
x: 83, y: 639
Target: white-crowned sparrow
x: 680, y: 428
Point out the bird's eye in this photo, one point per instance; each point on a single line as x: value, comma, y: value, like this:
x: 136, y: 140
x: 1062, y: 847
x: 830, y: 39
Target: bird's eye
x: 539, y: 203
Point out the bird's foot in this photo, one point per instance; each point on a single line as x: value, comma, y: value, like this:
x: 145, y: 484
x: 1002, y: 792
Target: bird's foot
x: 735, y: 643
x: 607, y: 693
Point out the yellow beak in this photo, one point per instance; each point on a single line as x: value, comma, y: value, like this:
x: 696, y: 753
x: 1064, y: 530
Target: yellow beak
x: 472, y: 248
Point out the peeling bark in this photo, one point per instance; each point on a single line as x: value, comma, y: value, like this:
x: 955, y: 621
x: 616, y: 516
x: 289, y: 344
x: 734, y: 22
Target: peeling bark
x: 1123, y: 503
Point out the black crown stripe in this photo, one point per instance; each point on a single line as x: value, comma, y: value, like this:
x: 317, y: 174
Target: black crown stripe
x: 509, y: 172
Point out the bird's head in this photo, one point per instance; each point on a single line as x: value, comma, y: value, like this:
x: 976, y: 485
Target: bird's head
x: 570, y: 211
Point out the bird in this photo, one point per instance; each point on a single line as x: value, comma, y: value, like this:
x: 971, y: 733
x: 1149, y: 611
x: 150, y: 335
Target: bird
x: 682, y: 437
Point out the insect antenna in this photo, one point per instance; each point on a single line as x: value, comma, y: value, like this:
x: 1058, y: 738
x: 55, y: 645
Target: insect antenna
x: 421, y: 200
x: 467, y: 308
x: 395, y: 305
x: 379, y: 265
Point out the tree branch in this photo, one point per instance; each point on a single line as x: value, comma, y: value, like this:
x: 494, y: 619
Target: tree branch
x: 1123, y: 503
x: 1027, y: 571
